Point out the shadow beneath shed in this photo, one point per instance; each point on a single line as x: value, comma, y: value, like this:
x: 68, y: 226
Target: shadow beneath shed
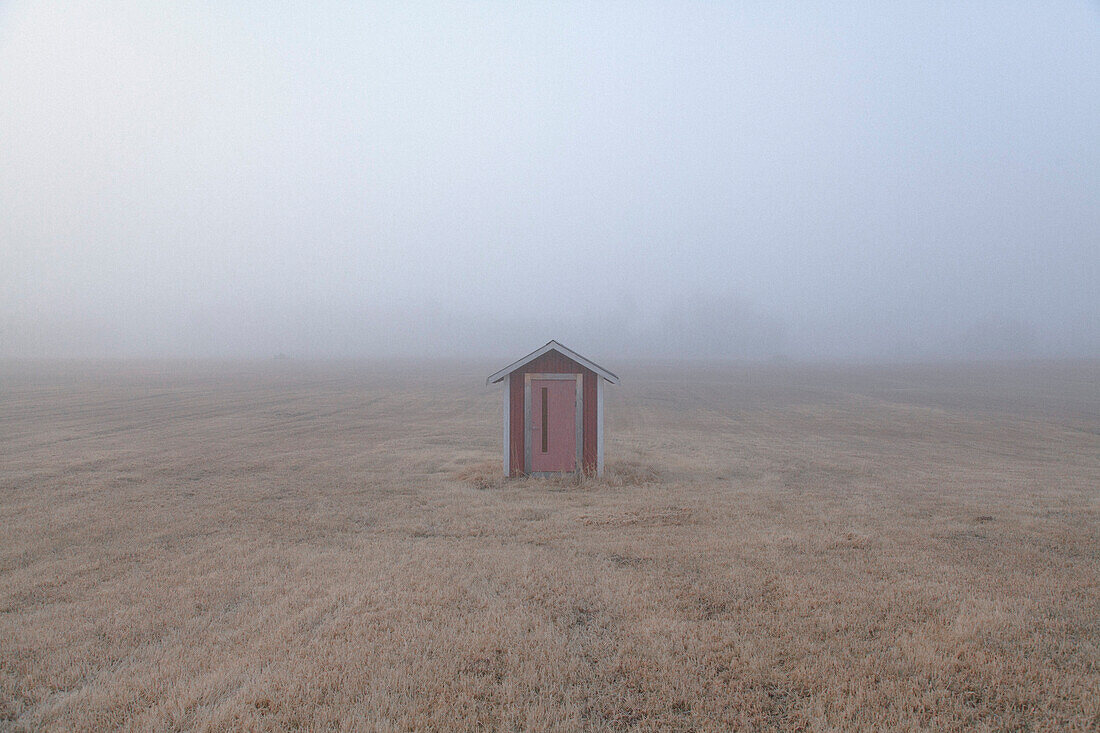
x: 487, y: 475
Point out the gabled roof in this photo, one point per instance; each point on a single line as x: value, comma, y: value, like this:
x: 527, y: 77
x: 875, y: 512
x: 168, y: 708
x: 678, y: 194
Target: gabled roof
x: 552, y: 346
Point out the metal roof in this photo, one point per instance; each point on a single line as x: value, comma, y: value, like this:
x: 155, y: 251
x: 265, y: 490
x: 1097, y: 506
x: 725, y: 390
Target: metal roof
x: 552, y: 346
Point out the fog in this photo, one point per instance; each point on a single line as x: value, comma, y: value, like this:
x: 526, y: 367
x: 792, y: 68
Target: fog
x: 837, y: 181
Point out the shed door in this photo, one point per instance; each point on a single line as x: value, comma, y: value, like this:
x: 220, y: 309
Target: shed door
x: 554, y: 420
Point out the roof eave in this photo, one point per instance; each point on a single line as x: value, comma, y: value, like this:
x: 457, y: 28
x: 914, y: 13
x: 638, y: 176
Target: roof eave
x: 553, y: 346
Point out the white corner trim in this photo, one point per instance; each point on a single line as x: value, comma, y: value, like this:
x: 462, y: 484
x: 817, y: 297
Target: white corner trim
x: 599, y: 427
x: 507, y: 425
x: 578, y: 416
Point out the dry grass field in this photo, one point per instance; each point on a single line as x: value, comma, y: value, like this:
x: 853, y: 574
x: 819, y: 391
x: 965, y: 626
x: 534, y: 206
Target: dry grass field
x: 277, y: 545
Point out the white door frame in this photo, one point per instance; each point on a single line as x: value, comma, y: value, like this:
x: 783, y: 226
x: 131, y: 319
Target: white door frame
x: 579, y: 465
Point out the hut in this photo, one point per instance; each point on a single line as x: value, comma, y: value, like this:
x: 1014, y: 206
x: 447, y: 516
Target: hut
x: 553, y: 412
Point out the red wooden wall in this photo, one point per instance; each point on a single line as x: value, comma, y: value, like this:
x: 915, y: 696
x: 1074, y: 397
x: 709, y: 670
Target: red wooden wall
x: 551, y: 362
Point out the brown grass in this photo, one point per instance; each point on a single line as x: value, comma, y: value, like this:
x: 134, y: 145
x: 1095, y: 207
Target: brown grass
x: 278, y: 546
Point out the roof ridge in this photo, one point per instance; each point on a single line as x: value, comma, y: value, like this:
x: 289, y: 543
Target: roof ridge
x: 553, y: 345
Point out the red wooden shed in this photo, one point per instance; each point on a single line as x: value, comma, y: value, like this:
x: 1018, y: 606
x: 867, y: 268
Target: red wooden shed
x: 553, y: 412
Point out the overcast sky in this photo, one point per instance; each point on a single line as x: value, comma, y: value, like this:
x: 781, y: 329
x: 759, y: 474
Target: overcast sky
x: 875, y: 181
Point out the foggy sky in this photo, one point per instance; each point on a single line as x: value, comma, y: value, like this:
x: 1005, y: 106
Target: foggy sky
x: 812, y: 181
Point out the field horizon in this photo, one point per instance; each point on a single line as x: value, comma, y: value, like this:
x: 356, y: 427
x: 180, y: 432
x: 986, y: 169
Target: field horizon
x: 330, y: 544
